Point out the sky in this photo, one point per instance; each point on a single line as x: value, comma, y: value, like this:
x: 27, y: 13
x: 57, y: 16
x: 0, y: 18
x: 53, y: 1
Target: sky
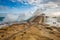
x: 14, y: 6
x: 28, y: 7
x: 22, y: 6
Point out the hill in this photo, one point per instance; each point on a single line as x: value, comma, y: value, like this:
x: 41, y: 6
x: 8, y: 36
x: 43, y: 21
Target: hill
x: 34, y: 29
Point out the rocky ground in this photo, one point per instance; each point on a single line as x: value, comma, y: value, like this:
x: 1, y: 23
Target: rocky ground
x: 33, y: 30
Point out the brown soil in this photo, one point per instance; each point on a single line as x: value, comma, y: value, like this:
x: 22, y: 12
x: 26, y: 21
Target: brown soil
x: 30, y: 31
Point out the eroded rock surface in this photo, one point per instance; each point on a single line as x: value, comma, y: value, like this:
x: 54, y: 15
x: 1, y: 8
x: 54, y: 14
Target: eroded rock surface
x: 30, y: 31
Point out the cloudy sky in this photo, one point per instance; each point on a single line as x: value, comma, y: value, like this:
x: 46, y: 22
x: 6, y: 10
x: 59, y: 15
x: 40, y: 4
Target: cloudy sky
x: 18, y: 6
x: 14, y: 6
x: 29, y: 6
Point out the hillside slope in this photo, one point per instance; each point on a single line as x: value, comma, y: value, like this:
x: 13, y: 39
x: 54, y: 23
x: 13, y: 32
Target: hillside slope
x: 33, y: 30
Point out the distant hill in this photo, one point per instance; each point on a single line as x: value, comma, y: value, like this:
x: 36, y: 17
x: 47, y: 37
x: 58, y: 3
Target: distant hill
x: 1, y: 18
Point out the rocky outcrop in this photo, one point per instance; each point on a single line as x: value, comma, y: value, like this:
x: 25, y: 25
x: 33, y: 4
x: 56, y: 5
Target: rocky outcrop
x: 32, y: 30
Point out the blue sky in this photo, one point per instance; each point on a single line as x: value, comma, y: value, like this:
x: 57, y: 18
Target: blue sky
x: 18, y: 6
x: 8, y: 6
x: 12, y: 7
x: 26, y: 6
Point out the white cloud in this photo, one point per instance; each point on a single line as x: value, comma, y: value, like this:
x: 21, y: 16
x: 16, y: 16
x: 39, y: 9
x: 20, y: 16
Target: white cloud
x: 10, y: 18
x: 21, y: 17
x: 48, y: 5
x: 32, y: 2
x: 52, y: 12
x: 51, y: 5
x: 15, y: 17
x: 55, y: 14
x: 37, y: 2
